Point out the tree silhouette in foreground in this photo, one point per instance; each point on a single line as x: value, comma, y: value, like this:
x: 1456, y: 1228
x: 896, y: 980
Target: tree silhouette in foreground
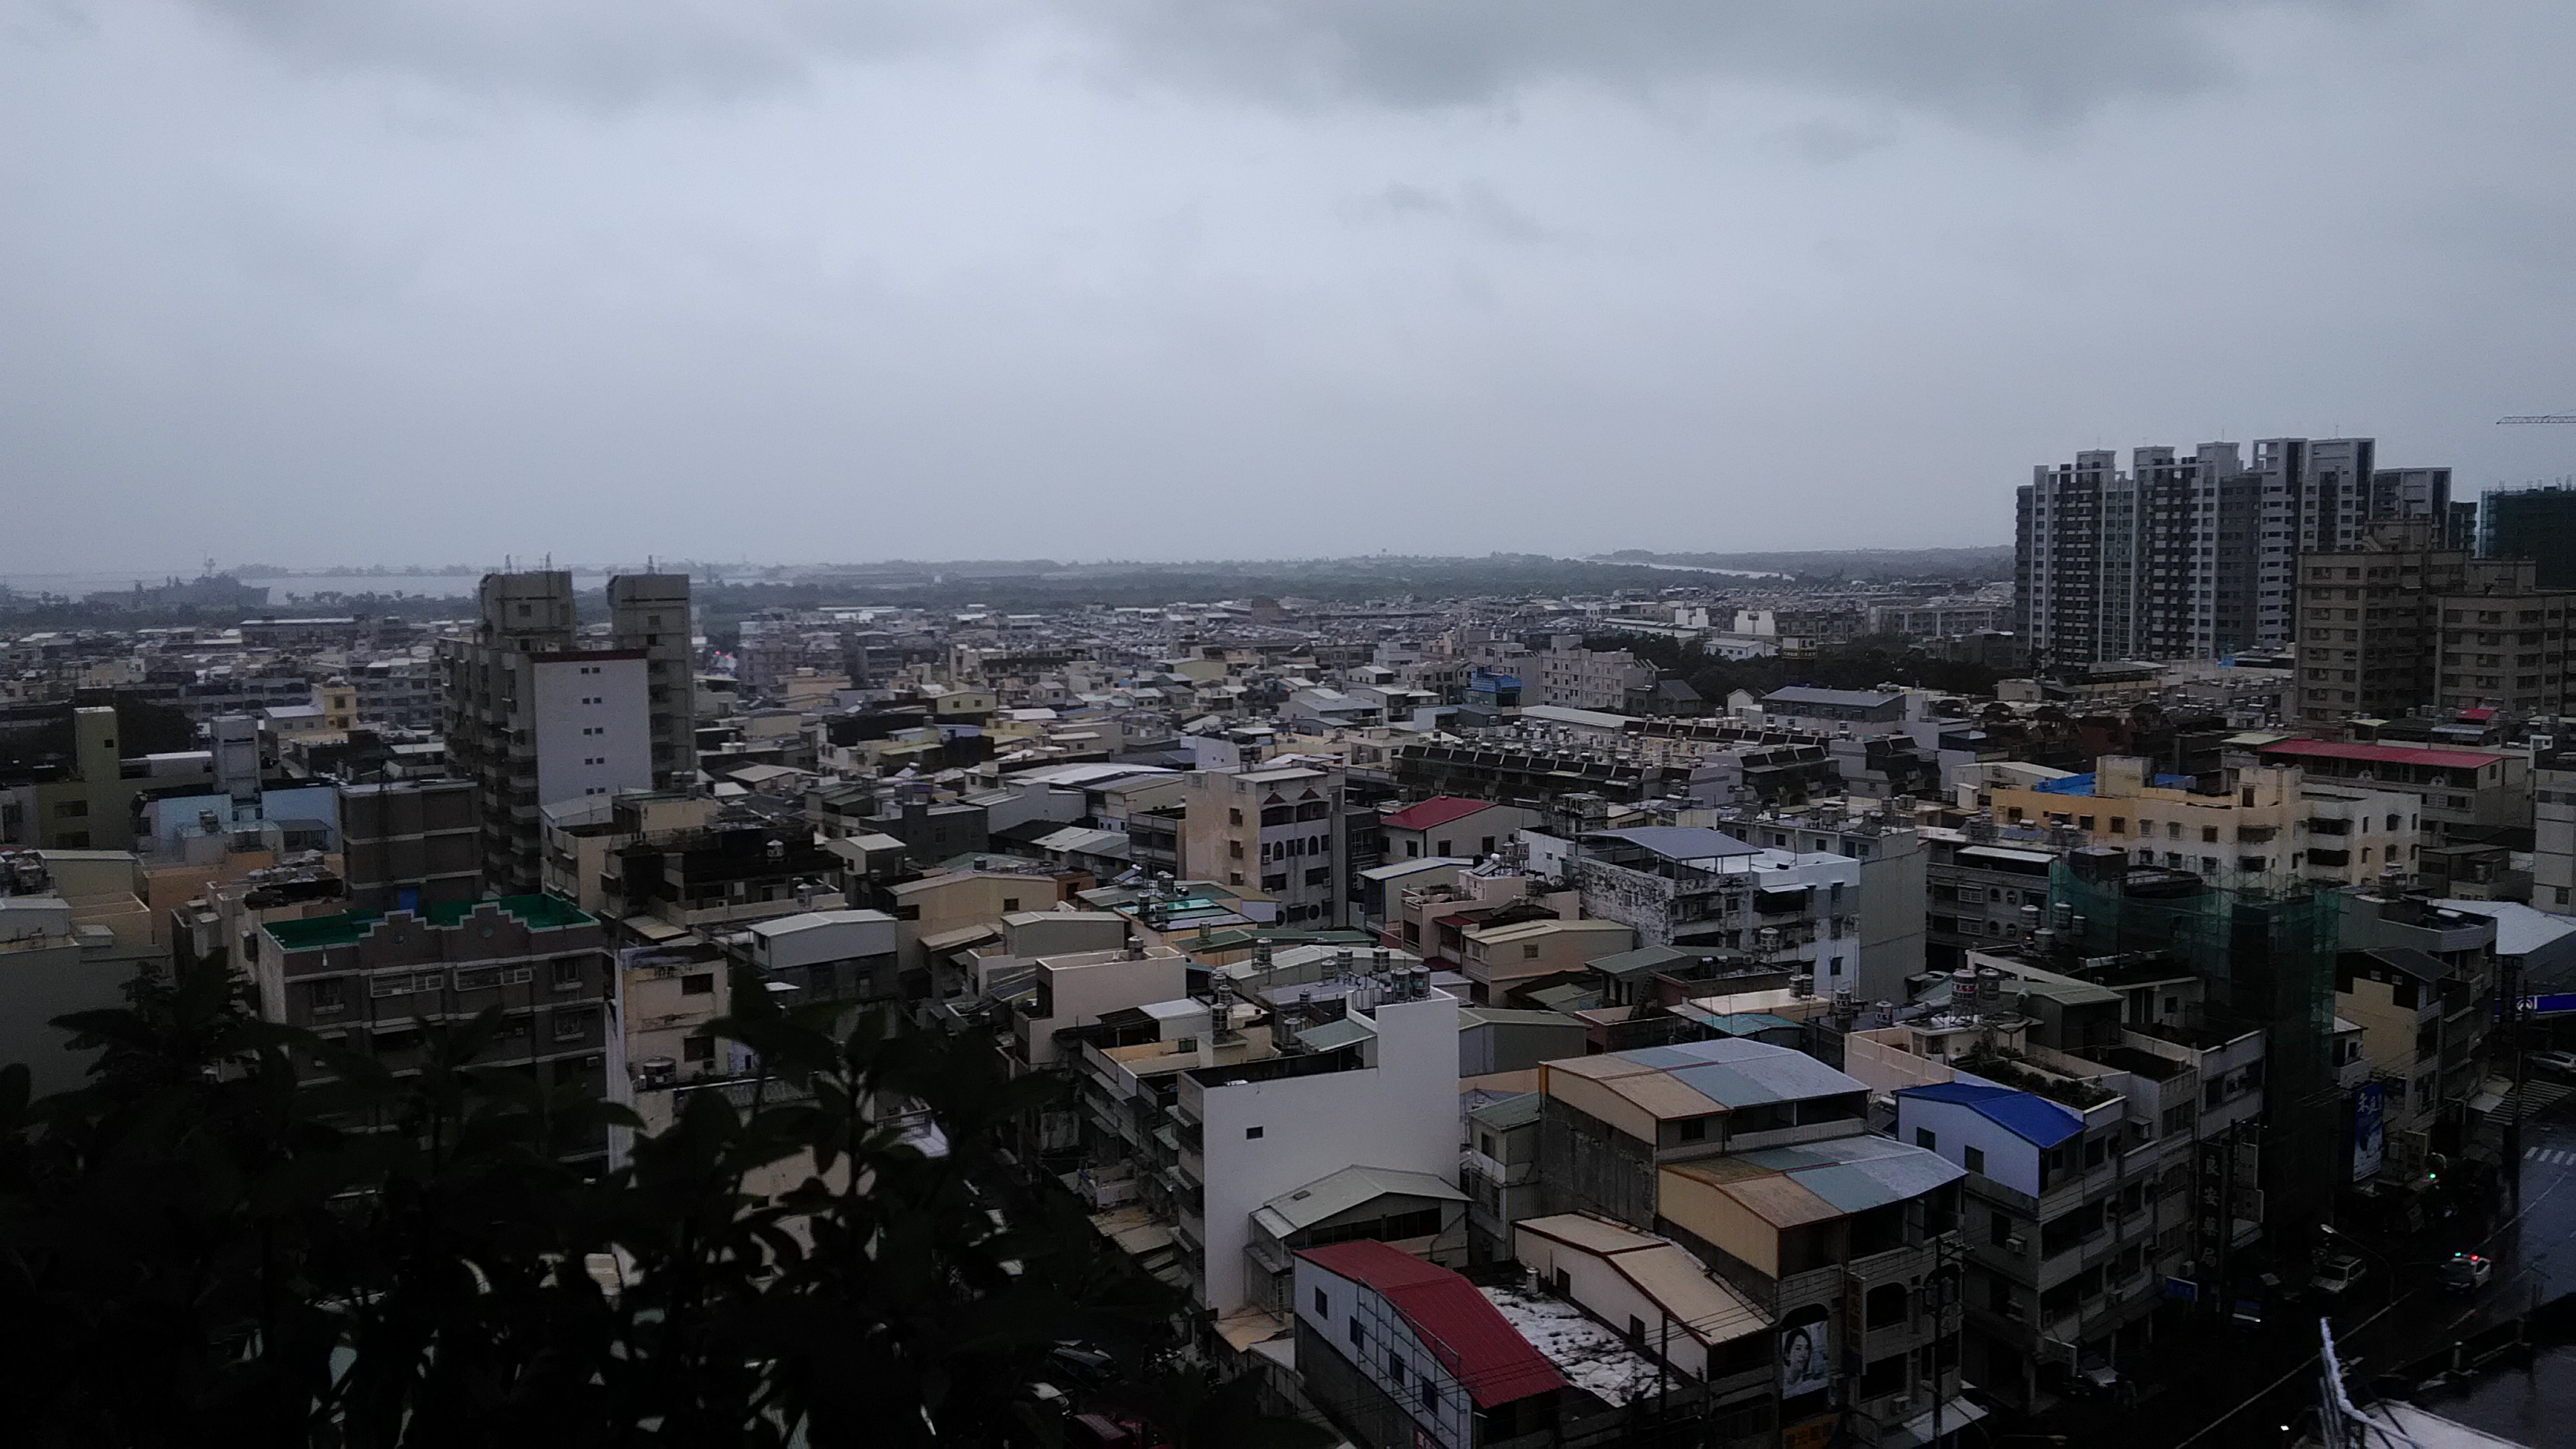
x: 205, y: 1244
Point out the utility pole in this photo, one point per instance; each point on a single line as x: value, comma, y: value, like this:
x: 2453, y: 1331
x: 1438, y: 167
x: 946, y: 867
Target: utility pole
x: 1941, y: 1292
x: 2509, y: 1008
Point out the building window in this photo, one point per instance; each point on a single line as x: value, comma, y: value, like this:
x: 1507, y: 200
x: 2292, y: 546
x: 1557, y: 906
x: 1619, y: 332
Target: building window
x: 1251, y: 1134
x: 1925, y: 1138
x: 567, y: 973
x: 1973, y: 1158
x: 702, y: 983
x: 571, y: 1025
x: 697, y: 1049
x: 324, y: 995
x: 1323, y: 1304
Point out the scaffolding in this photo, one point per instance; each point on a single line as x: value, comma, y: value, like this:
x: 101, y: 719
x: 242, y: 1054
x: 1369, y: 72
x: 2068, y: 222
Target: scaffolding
x: 2267, y: 950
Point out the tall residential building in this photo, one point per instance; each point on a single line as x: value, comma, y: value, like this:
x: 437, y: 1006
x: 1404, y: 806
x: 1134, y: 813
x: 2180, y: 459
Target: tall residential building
x: 2553, y: 832
x: 650, y: 612
x: 2069, y: 564
x: 533, y: 719
x: 2532, y: 523
x: 2504, y: 642
x: 2194, y: 557
x: 2367, y: 629
x: 2158, y: 562
x: 2403, y: 618
x: 410, y: 844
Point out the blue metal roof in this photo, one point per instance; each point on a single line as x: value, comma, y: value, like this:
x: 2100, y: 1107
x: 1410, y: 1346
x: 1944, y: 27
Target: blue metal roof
x: 2083, y: 784
x: 2033, y: 1119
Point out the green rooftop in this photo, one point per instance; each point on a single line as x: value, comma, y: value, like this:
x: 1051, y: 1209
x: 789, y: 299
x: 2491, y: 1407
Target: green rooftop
x: 536, y: 912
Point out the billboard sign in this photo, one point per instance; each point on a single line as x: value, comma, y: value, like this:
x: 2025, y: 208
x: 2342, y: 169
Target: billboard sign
x: 2369, y: 1137
x: 1805, y: 1364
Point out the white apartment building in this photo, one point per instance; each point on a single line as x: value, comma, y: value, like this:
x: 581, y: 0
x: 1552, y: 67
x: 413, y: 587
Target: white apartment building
x: 1573, y: 677
x: 590, y: 723
x: 1265, y: 1129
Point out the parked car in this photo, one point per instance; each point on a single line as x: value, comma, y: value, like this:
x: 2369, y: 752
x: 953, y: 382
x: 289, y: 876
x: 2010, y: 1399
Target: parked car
x: 2556, y: 1064
x: 2336, y: 1275
x: 2466, y: 1272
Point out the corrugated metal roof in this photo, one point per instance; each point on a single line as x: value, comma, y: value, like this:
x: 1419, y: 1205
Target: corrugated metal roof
x: 1334, y: 1034
x: 1408, y: 867
x: 1516, y: 1110
x: 1812, y: 694
x: 1469, y: 1337
x: 2384, y: 754
x: 2033, y: 1119
x: 1437, y: 811
x: 1693, y: 1079
x: 1769, y: 1073
x: 1819, y: 1181
x: 1694, y: 1301
x: 962, y: 936
x: 1336, y: 1193
x: 1679, y: 842
x: 1779, y: 1200
x: 1858, y: 1173
x: 2421, y: 965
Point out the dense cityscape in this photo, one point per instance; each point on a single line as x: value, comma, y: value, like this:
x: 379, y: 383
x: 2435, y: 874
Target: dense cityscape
x: 1287, y: 724
x: 1799, y: 1006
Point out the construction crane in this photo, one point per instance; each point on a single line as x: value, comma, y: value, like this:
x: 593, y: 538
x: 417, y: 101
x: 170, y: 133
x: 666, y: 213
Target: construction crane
x: 2537, y: 418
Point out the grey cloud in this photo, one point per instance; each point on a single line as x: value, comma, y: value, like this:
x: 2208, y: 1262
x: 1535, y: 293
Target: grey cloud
x: 621, y: 54
x: 1474, y: 204
x: 1824, y: 142
x: 2014, y: 64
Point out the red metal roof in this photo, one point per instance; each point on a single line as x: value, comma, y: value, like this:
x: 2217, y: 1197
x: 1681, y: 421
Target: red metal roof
x: 1435, y: 812
x: 1471, y: 1339
x: 2447, y: 759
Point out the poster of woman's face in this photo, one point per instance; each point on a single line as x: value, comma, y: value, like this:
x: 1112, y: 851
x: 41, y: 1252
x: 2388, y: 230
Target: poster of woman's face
x: 1802, y: 1359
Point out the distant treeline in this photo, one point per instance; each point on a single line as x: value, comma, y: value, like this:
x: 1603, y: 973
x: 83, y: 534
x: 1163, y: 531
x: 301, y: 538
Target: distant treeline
x: 1036, y: 585
x: 1864, y: 663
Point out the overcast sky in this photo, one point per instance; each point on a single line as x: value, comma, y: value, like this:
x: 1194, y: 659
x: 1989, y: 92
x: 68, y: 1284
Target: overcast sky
x: 308, y: 282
